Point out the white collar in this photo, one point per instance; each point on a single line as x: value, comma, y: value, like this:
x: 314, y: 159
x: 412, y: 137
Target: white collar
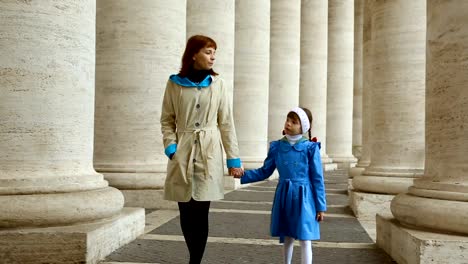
x: 293, y: 139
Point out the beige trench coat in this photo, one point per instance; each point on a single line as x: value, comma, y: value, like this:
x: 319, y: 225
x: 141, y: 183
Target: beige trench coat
x: 200, y: 121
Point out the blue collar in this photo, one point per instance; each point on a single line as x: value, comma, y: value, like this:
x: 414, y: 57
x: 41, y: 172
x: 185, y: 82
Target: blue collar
x: 299, y: 146
x: 184, y: 81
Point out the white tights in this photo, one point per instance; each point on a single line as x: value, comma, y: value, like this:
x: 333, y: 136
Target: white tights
x: 306, y: 250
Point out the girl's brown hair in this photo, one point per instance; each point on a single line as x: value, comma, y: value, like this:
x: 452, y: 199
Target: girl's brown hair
x: 194, y: 45
x: 309, y: 115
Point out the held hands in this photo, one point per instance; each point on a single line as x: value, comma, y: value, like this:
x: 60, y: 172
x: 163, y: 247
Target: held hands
x: 236, y: 172
x: 320, y: 216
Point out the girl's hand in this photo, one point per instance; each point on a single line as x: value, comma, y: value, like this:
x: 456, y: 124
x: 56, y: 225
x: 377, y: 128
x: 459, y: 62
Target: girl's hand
x: 320, y: 216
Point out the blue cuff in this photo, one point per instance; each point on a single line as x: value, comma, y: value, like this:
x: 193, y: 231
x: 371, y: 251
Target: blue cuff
x: 243, y: 180
x: 233, y: 163
x: 323, y: 209
x: 171, y: 149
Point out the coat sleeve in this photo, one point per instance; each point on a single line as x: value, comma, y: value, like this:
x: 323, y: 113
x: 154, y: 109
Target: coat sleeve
x: 168, y: 121
x: 269, y: 166
x: 227, y: 129
x: 316, y: 178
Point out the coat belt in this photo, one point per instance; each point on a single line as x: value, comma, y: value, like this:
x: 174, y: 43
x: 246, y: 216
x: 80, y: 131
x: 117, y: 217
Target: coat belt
x: 201, y: 134
x: 287, y: 191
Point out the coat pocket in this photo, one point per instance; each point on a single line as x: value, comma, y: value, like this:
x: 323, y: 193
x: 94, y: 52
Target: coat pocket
x: 176, y: 170
x: 214, y: 157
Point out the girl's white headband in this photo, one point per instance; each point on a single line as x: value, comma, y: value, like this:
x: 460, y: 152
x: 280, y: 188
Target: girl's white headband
x: 303, y: 117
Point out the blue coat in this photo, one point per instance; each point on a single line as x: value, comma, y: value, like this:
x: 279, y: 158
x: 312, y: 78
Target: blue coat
x: 300, y: 192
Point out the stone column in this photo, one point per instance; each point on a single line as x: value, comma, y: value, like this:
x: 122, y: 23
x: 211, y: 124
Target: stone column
x: 285, y: 58
x: 216, y: 19
x: 138, y: 47
x: 397, y: 114
x: 438, y: 202
x: 313, y: 69
x: 363, y: 20
x: 49, y: 191
x: 340, y: 82
x: 357, y: 78
x: 251, y: 73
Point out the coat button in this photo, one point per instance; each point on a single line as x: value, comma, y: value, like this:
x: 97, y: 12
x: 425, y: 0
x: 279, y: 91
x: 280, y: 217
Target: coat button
x: 198, y: 106
x: 194, y: 160
x: 197, y: 124
x: 195, y: 141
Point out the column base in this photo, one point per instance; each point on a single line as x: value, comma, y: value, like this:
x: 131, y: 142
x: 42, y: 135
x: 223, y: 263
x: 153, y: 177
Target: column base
x: 345, y: 165
x: 82, y: 243
x: 326, y: 159
x: 344, y: 162
x: 151, y: 199
x: 355, y: 171
x: 366, y: 205
x: 252, y: 163
x: 135, y: 180
x: 231, y: 183
x: 410, y: 246
x: 431, y: 213
x: 329, y: 166
x: 382, y: 184
x: 59, y: 209
x: 327, y: 163
x: 357, y: 151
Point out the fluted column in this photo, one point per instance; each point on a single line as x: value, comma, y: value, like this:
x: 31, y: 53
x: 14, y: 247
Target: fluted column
x: 46, y: 108
x: 54, y: 207
x: 357, y: 79
x: 313, y: 69
x: 340, y: 81
x: 251, y: 73
x: 398, y: 94
x: 285, y: 46
x: 138, y: 46
x: 431, y: 219
x: 216, y: 19
x: 439, y: 200
x: 363, y: 20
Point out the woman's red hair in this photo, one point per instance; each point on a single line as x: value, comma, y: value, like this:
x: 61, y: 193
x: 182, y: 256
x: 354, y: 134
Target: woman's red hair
x: 194, y: 45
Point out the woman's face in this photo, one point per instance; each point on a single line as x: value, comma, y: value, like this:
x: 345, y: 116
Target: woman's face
x: 292, y: 126
x: 204, y: 59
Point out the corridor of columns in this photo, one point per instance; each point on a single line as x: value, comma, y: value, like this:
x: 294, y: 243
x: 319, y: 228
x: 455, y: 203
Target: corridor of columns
x: 82, y: 163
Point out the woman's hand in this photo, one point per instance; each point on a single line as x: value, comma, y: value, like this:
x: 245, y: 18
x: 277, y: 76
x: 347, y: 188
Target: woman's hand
x: 320, y: 216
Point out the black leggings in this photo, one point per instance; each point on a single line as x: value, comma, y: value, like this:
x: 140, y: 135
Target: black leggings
x: 194, y: 224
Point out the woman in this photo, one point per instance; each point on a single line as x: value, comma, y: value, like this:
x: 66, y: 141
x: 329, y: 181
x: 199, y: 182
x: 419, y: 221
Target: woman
x: 196, y: 121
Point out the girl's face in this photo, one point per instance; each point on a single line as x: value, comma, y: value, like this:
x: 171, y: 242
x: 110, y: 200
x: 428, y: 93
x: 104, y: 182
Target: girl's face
x: 292, y: 126
x: 204, y: 59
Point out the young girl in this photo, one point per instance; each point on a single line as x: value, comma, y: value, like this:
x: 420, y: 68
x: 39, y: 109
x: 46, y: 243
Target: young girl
x: 299, y: 202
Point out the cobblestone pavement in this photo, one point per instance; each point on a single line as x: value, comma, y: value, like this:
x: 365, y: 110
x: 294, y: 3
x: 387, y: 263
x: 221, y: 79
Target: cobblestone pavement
x: 239, y: 232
